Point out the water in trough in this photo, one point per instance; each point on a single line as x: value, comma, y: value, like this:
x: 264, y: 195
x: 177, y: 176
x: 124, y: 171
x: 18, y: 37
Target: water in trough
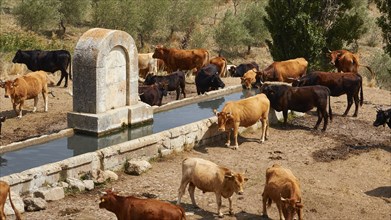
x: 63, y: 148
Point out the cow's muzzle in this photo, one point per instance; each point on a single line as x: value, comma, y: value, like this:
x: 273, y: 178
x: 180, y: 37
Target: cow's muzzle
x: 240, y: 193
x: 6, y: 96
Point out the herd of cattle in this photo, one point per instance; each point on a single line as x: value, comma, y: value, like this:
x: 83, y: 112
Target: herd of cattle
x: 283, y: 85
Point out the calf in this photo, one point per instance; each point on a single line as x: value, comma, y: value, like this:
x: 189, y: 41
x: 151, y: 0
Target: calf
x: 339, y: 84
x: 245, y: 113
x: 132, y: 208
x: 283, y: 188
x: 49, y: 61
x: 383, y: 117
x: 153, y: 94
x: 27, y: 87
x: 283, y: 98
x: 176, y: 82
x: 210, y: 177
x: 208, y: 79
x: 4, y: 190
x: 249, y: 79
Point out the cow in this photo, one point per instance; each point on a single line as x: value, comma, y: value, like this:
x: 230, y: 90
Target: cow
x: 153, y: 94
x: 4, y: 191
x: 284, y: 97
x: 130, y: 207
x: 231, y: 69
x: 146, y: 64
x: 345, y: 61
x: 283, y: 188
x: 2, y: 119
x: 245, y: 112
x: 241, y: 69
x: 207, y: 79
x: 284, y: 71
x: 176, y: 82
x: 177, y: 59
x: 210, y: 177
x: 339, y: 84
x: 249, y: 79
x: 383, y: 117
x: 221, y: 64
x: 49, y: 61
x: 27, y: 87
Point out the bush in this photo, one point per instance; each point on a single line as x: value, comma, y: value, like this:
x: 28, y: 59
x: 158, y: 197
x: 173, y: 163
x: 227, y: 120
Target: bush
x: 381, y: 65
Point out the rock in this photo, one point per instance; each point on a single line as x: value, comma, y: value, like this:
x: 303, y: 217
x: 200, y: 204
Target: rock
x: 18, y: 203
x: 34, y: 204
x: 76, y: 183
x: 89, y: 184
x: 137, y: 167
x: 50, y: 194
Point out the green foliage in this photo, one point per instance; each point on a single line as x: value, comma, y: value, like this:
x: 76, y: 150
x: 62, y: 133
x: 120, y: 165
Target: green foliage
x: 381, y: 64
x: 10, y: 41
x: 252, y: 20
x: 38, y: 14
x: 109, y: 14
x: 230, y: 33
x: 74, y: 12
x: 384, y: 22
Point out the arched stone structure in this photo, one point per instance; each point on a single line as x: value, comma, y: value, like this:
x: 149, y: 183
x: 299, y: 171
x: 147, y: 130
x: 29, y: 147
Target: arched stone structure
x: 105, y: 83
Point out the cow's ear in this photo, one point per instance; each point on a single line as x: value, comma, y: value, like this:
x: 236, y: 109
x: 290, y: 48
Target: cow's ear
x: 229, y: 175
x: 215, y: 112
x: 245, y: 179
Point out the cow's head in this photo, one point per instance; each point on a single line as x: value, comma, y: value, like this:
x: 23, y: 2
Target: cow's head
x: 107, y: 200
x: 232, y: 70
x: 216, y: 82
x: 290, y: 207
x: 10, y: 86
x: 382, y: 117
x: 150, y: 79
x: 159, y: 52
x: 163, y: 87
x: 18, y: 57
x: 235, y: 181
x: 222, y: 119
x: 333, y: 56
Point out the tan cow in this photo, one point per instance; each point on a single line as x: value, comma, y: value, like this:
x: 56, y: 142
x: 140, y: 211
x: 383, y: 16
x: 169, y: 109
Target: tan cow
x: 177, y: 59
x: 284, y: 71
x: 27, y: 87
x: 210, y: 177
x: 4, y: 191
x: 146, y: 64
x: 249, y: 79
x: 221, y: 64
x: 244, y: 113
x: 283, y: 188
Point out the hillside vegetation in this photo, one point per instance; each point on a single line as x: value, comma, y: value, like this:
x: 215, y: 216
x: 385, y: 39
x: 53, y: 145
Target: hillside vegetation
x: 235, y: 29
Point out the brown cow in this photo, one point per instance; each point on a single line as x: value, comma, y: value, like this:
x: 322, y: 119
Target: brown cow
x: 284, y: 71
x: 146, y: 64
x: 245, y: 113
x: 221, y: 64
x: 176, y: 59
x: 130, y: 207
x: 4, y: 190
x: 210, y: 177
x: 283, y: 188
x: 27, y: 87
x: 249, y: 79
x: 346, y: 61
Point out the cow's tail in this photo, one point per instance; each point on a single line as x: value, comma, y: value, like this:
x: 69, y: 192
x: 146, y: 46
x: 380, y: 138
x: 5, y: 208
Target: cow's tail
x: 70, y: 66
x: 224, y: 69
x: 17, y: 214
x: 206, y: 62
x: 330, y: 111
x: 361, y: 93
x: 370, y: 70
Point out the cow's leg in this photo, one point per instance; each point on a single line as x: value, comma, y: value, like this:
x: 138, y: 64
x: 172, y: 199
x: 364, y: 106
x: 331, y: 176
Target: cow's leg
x: 191, y: 192
x: 181, y: 190
x: 356, y: 101
x: 45, y: 99
x: 350, y: 102
x: 285, y: 114
x: 236, y: 128
x: 178, y: 92
x: 325, y: 118
x: 231, y: 211
x: 264, y: 200
x: 279, y: 207
x: 264, y: 128
x: 228, y: 137
x: 21, y: 108
x: 319, y: 119
x: 35, y: 103
x: 218, y: 201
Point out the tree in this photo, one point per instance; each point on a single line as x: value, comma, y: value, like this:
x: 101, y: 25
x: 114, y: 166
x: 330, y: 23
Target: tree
x: 38, y: 14
x: 301, y: 28
x: 74, y: 12
x: 384, y: 22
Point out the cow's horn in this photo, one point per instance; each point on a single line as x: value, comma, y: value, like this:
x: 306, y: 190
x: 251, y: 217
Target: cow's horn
x: 283, y: 199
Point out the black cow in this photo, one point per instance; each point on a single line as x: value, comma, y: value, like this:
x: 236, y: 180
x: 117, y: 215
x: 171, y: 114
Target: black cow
x: 208, y: 79
x: 2, y: 119
x: 153, y: 94
x: 240, y: 70
x: 176, y: 82
x: 383, y: 117
x: 49, y: 61
x: 301, y: 99
x: 339, y: 83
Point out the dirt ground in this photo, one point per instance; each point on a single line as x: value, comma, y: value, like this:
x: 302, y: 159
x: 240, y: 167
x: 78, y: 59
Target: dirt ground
x: 345, y: 172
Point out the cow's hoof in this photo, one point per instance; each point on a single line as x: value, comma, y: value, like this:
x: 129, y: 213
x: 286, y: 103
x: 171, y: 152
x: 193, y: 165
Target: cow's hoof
x: 235, y: 147
x: 354, y: 115
x: 221, y: 215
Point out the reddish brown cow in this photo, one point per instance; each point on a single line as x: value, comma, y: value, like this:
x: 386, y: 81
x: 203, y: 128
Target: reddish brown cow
x: 283, y: 188
x: 346, y: 61
x: 132, y: 208
x: 4, y: 191
x: 245, y: 113
x: 210, y: 177
x: 221, y: 64
x: 249, y: 79
x: 176, y: 59
x: 284, y: 71
x: 27, y: 87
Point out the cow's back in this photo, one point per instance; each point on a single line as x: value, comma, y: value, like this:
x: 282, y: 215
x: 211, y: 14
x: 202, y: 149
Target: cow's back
x: 281, y: 180
x: 151, y: 209
x: 338, y: 83
x: 36, y: 83
x: 290, y: 69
